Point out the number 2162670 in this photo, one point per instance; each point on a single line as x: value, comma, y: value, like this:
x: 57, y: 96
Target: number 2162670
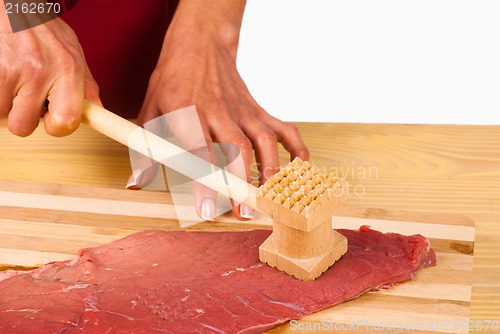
x: 33, y: 8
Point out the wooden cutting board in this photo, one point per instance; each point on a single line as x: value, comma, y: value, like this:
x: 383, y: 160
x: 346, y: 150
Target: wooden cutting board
x: 46, y: 222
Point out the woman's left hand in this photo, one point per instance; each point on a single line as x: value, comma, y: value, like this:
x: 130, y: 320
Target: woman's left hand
x: 197, y: 67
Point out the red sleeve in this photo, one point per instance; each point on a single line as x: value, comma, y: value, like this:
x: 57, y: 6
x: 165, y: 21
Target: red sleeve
x: 122, y: 41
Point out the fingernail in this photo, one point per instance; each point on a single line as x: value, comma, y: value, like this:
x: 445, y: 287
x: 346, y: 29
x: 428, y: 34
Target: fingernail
x: 246, y: 211
x: 133, y: 182
x: 208, y: 209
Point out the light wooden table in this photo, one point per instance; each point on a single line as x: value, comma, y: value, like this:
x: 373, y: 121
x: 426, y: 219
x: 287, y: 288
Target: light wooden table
x: 429, y: 168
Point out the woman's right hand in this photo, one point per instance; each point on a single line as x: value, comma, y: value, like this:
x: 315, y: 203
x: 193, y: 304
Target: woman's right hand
x: 42, y: 63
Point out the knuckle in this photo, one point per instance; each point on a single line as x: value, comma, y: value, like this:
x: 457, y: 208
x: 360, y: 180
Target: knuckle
x: 65, y: 122
x: 70, y: 63
x: 268, y: 172
x: 267, y: 136
x: 292, y: 128
x: 33, y: 68
x: 220, y: 101
x: 243, y: 143
x: 303, y: 153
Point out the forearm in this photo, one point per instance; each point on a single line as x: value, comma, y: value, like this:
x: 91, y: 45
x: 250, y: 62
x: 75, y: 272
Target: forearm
x: 207, y: 22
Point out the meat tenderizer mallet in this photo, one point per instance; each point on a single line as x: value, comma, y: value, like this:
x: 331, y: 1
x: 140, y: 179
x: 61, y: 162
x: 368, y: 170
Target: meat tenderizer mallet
x: 300, y: 198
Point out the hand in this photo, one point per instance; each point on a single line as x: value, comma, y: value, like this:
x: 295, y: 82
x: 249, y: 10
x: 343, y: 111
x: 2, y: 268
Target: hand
x: 38, y: 64
x: 197, y: 67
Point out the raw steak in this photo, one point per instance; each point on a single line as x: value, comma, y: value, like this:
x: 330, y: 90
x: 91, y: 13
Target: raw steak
x: 195, y: 282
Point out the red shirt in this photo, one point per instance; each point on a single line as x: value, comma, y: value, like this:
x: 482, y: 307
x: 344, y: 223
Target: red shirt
x: 121, y: 40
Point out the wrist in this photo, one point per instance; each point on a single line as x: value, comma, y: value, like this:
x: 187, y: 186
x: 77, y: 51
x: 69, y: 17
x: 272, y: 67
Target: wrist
x: 202, y: 24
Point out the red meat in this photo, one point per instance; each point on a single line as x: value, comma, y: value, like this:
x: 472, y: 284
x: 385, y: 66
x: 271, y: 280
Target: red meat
x: 203, y: 282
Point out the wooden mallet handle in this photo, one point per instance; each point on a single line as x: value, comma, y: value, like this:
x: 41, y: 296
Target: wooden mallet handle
x: 162, y: 151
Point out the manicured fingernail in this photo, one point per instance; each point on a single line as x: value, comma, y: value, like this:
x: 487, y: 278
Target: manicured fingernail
x: 208, y: 209
x: 246, y: 211
x: 133, y: 182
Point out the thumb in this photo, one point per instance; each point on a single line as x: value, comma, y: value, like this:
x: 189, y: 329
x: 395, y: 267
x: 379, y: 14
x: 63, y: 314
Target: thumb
x: 65, y: 105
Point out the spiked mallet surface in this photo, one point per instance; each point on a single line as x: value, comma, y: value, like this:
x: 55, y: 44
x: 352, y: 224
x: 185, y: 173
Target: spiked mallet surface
x: 301, y: 199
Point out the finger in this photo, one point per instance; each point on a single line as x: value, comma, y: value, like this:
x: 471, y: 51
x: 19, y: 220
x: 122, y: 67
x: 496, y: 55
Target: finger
x: 144, y: 169
x: 5, y: 105
x: 228, y: 132
x: 186, y: 127
x: 266, y: 148
x: 205, y: 201
x: 65, y: 104
x: 7, y: 95
x: 288, y: 135
x: 27, y: 108
x: 185, y: 124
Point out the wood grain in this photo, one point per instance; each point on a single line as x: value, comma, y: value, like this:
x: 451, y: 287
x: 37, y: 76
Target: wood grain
x: 29, y: 237
x: 427, y: 168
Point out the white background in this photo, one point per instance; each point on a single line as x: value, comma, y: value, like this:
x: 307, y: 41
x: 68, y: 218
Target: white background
x: 383, y: 61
